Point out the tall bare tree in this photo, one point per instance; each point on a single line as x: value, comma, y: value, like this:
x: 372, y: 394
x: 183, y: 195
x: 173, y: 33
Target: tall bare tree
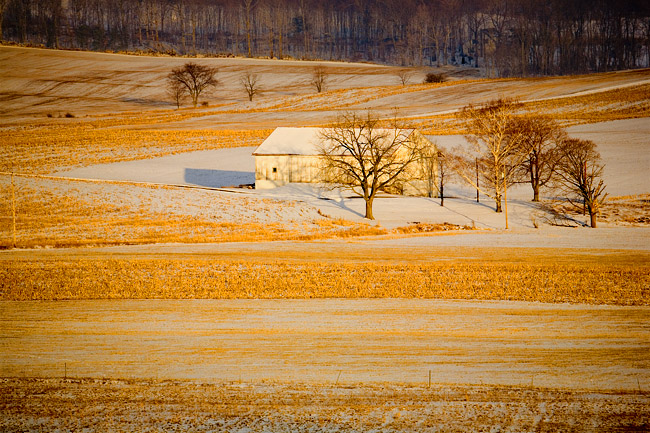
x: 580, y: 173
x: 319, y: 78
x: 3, y: 8
x: 361, y: 155
x: 444, y: 174
x: 196, y: 78
x: 251, y: 84
x: 496, y: 148
x: 428, y: 164
x: 541, y: 139
x: 249, y: 6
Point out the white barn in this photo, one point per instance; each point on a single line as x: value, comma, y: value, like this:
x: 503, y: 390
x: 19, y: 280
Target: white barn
x: 291, y: 155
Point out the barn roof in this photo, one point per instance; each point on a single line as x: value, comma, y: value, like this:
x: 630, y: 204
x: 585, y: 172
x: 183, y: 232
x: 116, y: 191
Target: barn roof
x: 295, y: 141
x: 290, y: 141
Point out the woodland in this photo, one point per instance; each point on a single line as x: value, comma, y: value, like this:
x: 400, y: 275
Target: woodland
x: 502, y: 37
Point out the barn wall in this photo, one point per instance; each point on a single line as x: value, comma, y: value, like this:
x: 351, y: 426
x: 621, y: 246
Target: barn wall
x: 306, y: 169
x: 276, y: 170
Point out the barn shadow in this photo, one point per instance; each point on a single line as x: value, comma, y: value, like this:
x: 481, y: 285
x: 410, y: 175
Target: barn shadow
x: 218, y: 178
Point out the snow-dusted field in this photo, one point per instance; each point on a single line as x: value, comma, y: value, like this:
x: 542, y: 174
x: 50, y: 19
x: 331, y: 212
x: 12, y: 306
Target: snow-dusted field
x: 313, y: 365
x: 172, y: 405
x: 323, y: 366
x: 623, y: 145
x: 332, y: 340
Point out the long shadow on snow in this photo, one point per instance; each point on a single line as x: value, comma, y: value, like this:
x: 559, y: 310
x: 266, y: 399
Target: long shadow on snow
x: 218, y: 178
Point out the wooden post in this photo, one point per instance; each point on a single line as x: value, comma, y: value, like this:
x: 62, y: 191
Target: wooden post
x: 13, y: 210
x: 505, y: 193
x: 429, y: 379
x: 477, y: 185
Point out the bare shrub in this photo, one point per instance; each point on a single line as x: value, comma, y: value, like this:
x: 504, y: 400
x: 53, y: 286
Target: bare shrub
x: 432, y: 78
x: 319, y: 78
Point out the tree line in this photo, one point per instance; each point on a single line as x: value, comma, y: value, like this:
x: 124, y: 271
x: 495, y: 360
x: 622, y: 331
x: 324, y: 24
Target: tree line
x: 505, y: 148
x: 504, y: 37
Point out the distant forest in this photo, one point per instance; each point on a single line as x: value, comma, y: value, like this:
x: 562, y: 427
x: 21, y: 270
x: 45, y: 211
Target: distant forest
x: 503, y: 37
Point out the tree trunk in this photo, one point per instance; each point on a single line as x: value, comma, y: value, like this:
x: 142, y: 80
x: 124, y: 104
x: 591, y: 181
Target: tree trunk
x: 534, y: 182
x: 442, y: 190
x: 497, y: 200
x: 369, y: 208
x: 593, y: 216
x: 248, y: 32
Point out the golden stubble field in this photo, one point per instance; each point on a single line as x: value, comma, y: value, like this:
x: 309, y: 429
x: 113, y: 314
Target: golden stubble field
x: 331, y: 270
x: 139, y: 405
x: 323, y: 365
x: 64, y: 110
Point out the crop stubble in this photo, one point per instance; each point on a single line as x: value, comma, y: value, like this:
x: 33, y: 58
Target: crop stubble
x: 556, y: 276
x: 134, y: 405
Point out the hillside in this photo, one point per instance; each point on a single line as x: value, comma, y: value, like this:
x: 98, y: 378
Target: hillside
x: 38, y: 83
x: 118, y: 113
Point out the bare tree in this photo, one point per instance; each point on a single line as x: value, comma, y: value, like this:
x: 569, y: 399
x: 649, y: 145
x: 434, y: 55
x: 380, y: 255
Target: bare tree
x: 541, y: 139
x: 580, y: 173
x: 176, y: 91
x: 319, y: 78
x: 497, y: 150
x: 357, y: 153
x: 3, y: 7
x: 428, y: 162
x: 444, y: 174
x: 195, y: 78
x: 249, y: 6
x: 251, y: 84
x: 404, y: 76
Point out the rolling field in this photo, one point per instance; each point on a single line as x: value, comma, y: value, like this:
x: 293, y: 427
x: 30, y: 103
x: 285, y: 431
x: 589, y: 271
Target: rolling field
x: 323, y: 365
x: 182, y: 305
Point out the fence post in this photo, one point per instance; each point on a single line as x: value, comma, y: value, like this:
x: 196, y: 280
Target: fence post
x: 13, y: 210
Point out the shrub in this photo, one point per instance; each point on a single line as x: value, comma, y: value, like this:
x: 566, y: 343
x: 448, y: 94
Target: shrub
x: 434, y: 78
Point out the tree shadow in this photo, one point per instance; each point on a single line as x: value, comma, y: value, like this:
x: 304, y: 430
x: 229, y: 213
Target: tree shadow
x: 338, y: 200
x: 218, y: 178
x: 454, y: 199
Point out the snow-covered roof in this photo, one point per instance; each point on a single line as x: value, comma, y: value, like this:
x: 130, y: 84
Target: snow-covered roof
x: 296, y: 141
x: 290, y: 141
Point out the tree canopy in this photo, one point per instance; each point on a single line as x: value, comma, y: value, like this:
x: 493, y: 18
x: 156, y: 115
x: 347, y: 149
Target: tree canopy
x: 194, y: 78
x: 358, y: 153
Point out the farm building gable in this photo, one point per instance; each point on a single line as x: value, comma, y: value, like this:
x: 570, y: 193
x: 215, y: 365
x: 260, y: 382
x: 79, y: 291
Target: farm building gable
x: 290, y: 141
